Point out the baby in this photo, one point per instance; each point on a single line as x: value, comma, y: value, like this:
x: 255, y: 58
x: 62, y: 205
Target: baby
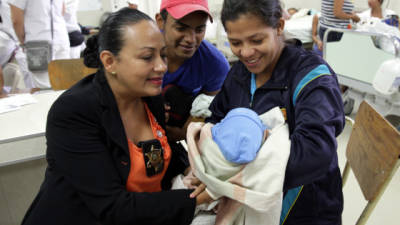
x: 242, y: 161
x: 236, y: 141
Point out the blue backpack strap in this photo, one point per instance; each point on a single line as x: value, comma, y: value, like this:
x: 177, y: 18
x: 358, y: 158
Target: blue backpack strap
x: 293, y: 194
x: 319, y: 71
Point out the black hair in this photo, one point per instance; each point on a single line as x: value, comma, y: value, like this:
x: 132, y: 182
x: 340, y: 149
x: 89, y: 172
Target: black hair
x: 269, y: 11
x: 110, y: 36
x: 164, y: 14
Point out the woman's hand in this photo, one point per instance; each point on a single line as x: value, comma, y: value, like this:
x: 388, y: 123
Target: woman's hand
x: 198, y: 190
x: 201, y: 195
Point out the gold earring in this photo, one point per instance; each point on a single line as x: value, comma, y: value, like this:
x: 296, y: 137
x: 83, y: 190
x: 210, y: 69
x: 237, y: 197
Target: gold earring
x: 113, y: 73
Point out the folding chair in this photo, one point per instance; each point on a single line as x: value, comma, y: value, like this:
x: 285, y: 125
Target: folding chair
x: 372, y: 154
x: 64, y: 73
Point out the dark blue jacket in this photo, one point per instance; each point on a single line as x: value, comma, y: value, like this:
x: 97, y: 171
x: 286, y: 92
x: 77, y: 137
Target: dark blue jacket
x: 307, y: 88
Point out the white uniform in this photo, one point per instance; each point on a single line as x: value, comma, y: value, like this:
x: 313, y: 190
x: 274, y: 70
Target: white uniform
x: 71, y: 7
x: 19, y: 54
x: 38, y: 27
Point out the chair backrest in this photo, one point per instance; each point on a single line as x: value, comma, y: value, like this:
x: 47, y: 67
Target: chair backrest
x: 373, y: 150
x: 64, y: 73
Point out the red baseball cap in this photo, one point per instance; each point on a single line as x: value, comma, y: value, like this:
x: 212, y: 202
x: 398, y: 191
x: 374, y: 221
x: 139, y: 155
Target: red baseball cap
x: 180, y: 8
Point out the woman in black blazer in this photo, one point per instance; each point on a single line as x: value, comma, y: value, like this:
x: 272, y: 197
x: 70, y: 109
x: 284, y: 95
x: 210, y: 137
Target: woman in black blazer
x: 95, y: 127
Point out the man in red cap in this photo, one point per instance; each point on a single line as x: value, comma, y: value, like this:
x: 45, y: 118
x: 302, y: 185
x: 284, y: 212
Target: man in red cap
x: 195, y: 66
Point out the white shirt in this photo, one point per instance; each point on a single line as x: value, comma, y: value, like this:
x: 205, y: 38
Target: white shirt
x: 367, y: 14
x: 6, y: 17
x: 38, y: 20
x: 71, y: 7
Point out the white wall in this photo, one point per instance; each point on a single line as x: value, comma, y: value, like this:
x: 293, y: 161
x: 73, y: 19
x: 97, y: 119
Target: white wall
x: 92, y: 17
x: 315, y: 4
x: 394, y: 5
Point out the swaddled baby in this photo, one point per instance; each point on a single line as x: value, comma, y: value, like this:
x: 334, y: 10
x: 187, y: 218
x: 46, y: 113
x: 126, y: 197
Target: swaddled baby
x: 238, y: 138
x: 236, y: 142
x: 240, y: 166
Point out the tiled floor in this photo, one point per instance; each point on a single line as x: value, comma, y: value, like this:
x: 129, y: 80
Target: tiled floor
x: 19, y: 184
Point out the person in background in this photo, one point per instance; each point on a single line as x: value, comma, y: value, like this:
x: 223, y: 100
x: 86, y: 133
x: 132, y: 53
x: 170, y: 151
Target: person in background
x: 336, y: 14
x: 7, y: 28
x: 376, y: 10
x: 32, y: 20
x: 76, y: 38
x: 109, y: 161
x: 317, y: 45
x: 273, y: 73
x: 11, y: 77
x: 194, y: 65
x: 133, y: 4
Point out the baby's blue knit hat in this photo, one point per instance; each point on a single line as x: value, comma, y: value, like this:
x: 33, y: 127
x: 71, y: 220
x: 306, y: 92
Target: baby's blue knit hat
x: 239, y: 135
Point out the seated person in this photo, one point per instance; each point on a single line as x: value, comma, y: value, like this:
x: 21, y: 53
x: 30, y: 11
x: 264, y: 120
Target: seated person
x: 318, y: 45
x: 231, y: 156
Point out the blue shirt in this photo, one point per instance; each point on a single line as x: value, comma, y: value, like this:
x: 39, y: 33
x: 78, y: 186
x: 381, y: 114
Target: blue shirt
x: 205, y: 71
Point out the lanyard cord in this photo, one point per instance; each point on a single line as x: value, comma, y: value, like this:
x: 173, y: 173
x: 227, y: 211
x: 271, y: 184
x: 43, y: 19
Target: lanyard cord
x: 253, y: 87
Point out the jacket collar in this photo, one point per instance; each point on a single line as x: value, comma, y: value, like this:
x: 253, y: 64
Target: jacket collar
x: 110, y: 116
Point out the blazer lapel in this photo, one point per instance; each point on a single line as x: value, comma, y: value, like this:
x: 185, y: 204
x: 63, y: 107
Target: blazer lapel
x: 111, y: 119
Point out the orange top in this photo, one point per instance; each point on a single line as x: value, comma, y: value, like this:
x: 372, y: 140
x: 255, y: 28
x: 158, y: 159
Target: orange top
x: 138, y: 181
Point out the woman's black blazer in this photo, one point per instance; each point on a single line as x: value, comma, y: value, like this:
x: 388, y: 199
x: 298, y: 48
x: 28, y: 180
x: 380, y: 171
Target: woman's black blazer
x: 88, y: 166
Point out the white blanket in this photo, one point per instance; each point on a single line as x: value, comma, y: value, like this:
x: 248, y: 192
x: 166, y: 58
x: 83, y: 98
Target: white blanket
x: 251, y: 193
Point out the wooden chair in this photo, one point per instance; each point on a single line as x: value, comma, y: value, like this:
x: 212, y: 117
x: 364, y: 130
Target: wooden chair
x: 64, y: 73
x: 373, y: 154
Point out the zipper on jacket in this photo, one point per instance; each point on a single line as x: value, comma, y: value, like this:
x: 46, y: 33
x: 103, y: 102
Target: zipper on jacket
x: 284, y: 88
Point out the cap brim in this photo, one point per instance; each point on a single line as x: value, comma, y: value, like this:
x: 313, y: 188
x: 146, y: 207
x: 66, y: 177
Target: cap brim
x: 179, y: 11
